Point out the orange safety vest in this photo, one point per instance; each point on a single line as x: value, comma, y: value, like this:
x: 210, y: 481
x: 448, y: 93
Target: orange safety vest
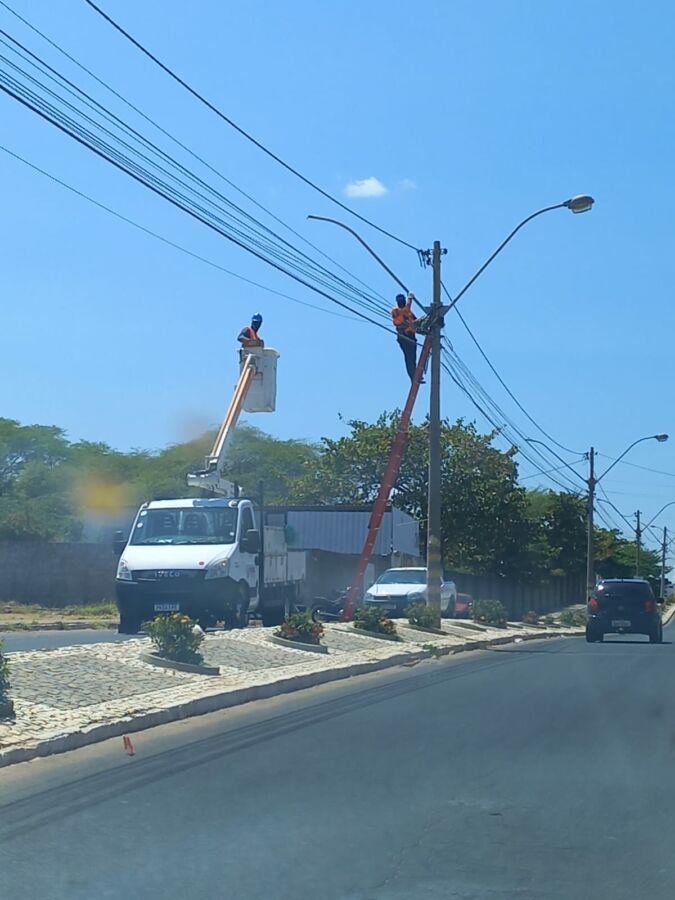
x: 403, y: 318
x: 252, y: 337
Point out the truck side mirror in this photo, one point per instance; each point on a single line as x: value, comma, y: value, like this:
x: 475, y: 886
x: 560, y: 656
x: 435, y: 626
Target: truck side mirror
x: 251, y: 542
x: 119, y: 543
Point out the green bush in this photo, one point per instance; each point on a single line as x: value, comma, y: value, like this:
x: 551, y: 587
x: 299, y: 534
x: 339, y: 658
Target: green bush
x: 370, y: 618
x: 300, y: 627
x: 573, y: 618
x: 174, y: 638
x: 548, y: 620
x: 531, y: 618
x: 424, y: 616
x: 489, y: 612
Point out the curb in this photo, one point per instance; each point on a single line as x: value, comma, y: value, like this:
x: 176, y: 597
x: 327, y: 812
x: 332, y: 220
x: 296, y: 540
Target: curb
x: 297, y: 645
x: 226, y: 699
x: 154, y: 660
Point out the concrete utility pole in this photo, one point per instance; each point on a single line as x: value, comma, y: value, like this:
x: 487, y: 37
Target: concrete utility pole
x: 638, y: 540
x: 664, y: 547
x: 590, y: 538
x: 434, y: 562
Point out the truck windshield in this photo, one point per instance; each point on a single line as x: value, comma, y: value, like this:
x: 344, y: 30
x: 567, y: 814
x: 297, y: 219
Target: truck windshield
x: 185, y: 526
x: 403, y: 576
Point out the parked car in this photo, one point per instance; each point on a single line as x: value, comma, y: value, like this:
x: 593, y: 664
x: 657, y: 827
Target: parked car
x: 396, y: 589
x: 623, y: 606
x: 463, y: 606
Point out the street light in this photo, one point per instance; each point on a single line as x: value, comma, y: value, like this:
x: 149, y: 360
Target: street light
x: 580, y: 204
x: 592, y: 482
x: 577, y: 204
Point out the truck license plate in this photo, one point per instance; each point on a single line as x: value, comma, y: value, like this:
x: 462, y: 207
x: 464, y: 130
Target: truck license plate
x: 167, y: 607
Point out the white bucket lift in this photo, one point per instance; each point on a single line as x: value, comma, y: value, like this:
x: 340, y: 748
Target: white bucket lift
x: 256, y: 391
x: 262, y: 392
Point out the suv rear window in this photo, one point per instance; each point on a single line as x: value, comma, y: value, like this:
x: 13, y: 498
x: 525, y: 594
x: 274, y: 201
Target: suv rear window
x: 624, y: 591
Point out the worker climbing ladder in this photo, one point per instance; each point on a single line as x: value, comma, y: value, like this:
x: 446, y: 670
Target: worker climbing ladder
x: 388, y: 479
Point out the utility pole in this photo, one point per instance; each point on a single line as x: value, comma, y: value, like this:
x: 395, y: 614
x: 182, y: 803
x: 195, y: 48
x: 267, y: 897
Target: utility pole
x: 664, y: 547
x: 590, y: 545
x: 434, y: 565
x: 638, y: 540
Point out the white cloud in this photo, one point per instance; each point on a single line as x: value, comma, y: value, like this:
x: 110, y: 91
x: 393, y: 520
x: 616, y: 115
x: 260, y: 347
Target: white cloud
x: 407, y: 184
x: 366, y: 187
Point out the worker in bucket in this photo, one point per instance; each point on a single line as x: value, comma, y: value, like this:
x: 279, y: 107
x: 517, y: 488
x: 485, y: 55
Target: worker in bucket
x: 248, y: 336
x: 404, y: 322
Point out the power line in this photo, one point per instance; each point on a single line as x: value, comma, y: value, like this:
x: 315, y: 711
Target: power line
x: 321, y: 274
x: 624, y: 462
x: 502, y: 382
x: 239, y: 129
x: 547, y: 472
x: 162, y: 191
x: 156, y: 125
x: 166, y: 240
x: 529, y: 453
x: 498, y: 418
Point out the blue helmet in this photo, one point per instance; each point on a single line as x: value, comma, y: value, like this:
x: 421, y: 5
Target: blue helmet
x: 257, y: 319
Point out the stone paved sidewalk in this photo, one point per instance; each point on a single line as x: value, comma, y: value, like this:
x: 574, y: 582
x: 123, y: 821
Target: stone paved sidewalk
x: 71, y: 696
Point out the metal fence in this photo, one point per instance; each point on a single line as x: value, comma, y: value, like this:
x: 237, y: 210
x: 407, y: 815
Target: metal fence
x: 520, y: 597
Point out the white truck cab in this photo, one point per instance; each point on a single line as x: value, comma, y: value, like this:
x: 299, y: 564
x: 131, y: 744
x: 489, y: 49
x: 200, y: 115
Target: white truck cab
x: 198, y: 556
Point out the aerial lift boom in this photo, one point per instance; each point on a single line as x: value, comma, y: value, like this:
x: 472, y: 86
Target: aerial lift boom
x: 255, y: 392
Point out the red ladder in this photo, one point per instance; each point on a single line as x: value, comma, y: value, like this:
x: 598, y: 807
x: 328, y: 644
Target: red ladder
x: 388, y: 479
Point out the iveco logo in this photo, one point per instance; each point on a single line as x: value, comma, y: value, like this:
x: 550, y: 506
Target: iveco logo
x: 168, y: 573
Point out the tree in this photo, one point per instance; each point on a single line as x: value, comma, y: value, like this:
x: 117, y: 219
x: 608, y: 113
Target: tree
x: 560, y: 520
x: 484, y: 522
x: 615, y: 557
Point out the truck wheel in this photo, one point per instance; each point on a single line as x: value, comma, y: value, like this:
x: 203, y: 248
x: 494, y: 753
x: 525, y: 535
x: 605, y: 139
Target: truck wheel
x: 241, y: 613
x: 277, y: 614
x: 128, y: 624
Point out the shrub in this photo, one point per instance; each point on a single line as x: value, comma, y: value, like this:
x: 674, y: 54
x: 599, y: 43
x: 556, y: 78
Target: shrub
x: 301, y: 627
x: 489, y: 612
x: 531, y: 618
x: 424, y: 616
x: 176, y: 638
x: 370, y: 618
x: 548, y: 620
x: 573, y: 617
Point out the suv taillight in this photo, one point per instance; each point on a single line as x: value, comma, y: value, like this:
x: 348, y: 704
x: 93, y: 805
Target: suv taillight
x: 593, y: 605
x: 649, y: 606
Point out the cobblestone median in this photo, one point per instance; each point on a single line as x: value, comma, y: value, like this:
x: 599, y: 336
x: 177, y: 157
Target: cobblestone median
x: 71, y: 690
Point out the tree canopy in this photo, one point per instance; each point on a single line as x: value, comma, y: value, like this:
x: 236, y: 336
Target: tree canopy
x: 490, y: 524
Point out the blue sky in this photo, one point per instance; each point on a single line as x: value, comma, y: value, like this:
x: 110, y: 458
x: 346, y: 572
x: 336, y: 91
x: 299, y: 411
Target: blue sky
x: 470, y: 114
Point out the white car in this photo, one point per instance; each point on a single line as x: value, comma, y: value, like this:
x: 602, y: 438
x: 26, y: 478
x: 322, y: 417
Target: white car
x: 396, y: 589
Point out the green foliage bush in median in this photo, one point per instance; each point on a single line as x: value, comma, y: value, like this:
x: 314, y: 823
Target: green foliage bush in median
x: 423, y: 616
x: 531, y: 618
x: 301, y: 627
x: 489, y: 612
x: 573, y: 618
x: 370, y: 618
x: 176, y: 638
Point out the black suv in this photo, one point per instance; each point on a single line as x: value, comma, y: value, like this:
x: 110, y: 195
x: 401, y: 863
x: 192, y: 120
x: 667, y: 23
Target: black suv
x: 623, y: 606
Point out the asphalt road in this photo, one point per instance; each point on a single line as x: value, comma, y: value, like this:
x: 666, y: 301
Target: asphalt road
x: 540, y: 771
x: 14, y: 641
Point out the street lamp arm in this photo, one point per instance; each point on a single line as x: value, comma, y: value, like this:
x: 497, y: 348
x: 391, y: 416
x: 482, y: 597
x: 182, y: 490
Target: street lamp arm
x: 503, y: 244
x: 649, y: 437
x: 654, y: 518
x: 557, y: 456
x: 364, y: 244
